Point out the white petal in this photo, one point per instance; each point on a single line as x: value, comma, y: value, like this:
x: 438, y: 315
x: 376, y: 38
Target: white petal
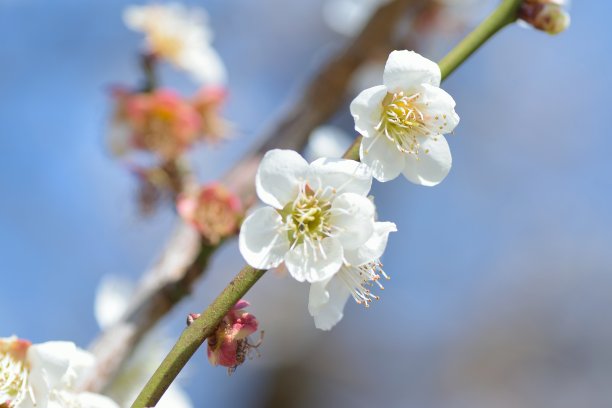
x: 326, y: 302
x: 204, y: 65
x: 262, y: 242
x: 174, y: 397
x: 91, y: 400
x: 353, y: 216
x: 49, y: 362
x: 279, y: 175
x: 315, y: 264
x: 373, y: 248
x: 340, y: 175
x: 439, y: 110
x: 80, y: 364
x: 432, y: 164
x: 112, y: 299
x: 366, y: 109
x: 381, y: 155
x: 407, y: 69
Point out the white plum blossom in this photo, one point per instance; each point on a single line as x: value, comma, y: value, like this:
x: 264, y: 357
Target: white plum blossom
x: 403, y: 121
x: 360, y: 271
x: 46, y: 375
x: 317, y: 216
x: 181, y: 36
x: 111, y: 302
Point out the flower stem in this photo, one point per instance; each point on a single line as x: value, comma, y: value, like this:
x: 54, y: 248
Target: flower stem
x: 503, y: 15
x: 194, y: 335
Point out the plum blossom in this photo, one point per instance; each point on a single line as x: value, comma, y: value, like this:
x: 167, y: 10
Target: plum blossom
x: 362, y: 270
x: 111, y: 303
x: 160, y: 122
x: 403, y: 121
x: 45, y: 375
x: 317, y: 216
x: 179, y: 35
x: 229, y: 346
x: 213, y: 210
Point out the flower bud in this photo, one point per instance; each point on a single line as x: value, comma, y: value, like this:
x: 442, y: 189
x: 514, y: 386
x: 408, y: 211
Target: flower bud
x: 191, y: 317
x: 549, y: 16
x: 213, y: 210
x: 229, y: 346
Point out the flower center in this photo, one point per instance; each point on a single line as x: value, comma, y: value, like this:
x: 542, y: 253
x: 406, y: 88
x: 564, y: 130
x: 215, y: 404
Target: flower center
x: 360, y: 279
x: 308, y: 217
x: 13, y: 373
x: 402, y: 121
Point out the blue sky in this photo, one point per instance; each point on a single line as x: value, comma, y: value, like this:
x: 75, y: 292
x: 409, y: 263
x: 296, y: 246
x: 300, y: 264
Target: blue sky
x: 526, y: 205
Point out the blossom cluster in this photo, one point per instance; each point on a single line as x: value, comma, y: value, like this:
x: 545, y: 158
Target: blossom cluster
x: 319, y: 221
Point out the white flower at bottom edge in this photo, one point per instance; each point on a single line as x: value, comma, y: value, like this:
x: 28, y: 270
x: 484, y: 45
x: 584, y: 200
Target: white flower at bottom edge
x: 318, y: 215
x: 112, y: 301
x: 403, y: 121
x: 354, y: 279
x: 46, y: 375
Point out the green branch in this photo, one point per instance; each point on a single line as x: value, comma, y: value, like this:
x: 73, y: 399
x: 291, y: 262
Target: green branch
x: 194, y: 335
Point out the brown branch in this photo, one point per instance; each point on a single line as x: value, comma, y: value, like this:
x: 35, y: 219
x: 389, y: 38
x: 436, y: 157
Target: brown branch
x: 186, y: 256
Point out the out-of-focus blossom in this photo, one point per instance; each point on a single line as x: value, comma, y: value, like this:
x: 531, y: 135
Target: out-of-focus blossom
x: 160, y: 122
x: 327, y: 141
x: 207, y: 103
x: 549, y: 16
x: 213, y: 210
x: 317, y: 215
x: 361, y: 270
x: 229, y: 345
x: 403, y: 121
x: 45, y: 375
x: 179, y: 35
x: 111, y: 302
x: 348, y: 17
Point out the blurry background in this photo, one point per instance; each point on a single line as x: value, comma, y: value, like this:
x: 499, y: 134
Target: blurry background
x: 501, y: 275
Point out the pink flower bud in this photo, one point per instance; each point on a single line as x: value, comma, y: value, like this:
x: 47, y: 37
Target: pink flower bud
x: 229, y: 345
x: 213, y: 210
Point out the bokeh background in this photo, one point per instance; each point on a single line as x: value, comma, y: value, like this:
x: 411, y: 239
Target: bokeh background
x: 501, y: 276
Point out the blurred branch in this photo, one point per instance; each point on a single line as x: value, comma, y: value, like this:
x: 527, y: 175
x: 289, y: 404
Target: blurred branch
x: 185, y: 257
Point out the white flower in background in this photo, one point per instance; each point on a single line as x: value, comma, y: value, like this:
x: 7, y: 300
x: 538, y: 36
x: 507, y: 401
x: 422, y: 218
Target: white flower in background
x: 179, y: 35
x: 327, y: 141
x: 112, y: 299
x: 45, y: 375
x: 348, y: 17
x: 403, y: 121
x: 361, y: 270
x: 318, y: 215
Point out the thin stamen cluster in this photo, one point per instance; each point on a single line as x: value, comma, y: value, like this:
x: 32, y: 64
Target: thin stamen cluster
x: 360, y: 279
x: 308, y: 217
x: 13, y: 380
x: 402, y: 121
